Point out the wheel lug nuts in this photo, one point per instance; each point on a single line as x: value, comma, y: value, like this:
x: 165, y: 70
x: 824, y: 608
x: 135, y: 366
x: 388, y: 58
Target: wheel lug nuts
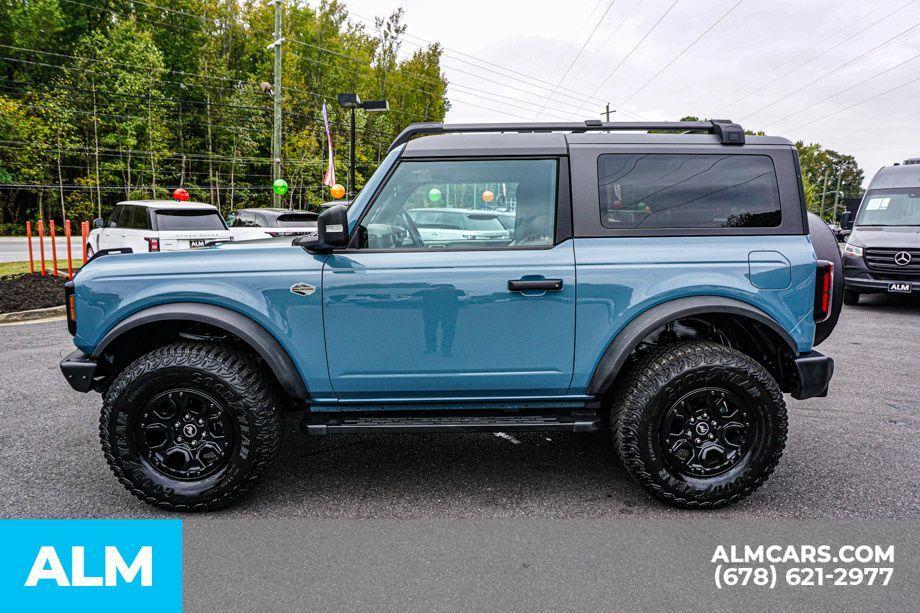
x: 697, y: 441
x: 693, y: 420
x: 713, y: 422
x: 200, y: 422
x: 178, y: 425
x: 689, y: 433
x: 179, y: 439
x: 187, y: 416
x: 194, y: 443
x: 712, y: 437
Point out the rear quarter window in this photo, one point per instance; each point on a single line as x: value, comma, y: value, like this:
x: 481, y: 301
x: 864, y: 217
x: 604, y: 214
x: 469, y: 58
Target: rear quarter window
x: 675, y: 191
x: 170, y: 221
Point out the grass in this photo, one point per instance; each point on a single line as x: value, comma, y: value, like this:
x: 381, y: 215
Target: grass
x: 17, y: 268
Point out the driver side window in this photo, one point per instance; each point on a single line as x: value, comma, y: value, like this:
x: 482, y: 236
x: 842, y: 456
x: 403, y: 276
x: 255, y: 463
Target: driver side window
x: 464, y: 204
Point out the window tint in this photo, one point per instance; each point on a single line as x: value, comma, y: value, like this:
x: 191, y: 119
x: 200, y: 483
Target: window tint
x: 116, y: 216
x: 455, y: 205
x: 173, y: 220
x: 639, y: 191
x: 135, y: 218
x: 296, y: 219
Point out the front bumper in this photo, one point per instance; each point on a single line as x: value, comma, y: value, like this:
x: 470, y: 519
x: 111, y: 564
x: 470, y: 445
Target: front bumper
x: 873, y: 285
x: 80, y: 371
x: 813, y: 375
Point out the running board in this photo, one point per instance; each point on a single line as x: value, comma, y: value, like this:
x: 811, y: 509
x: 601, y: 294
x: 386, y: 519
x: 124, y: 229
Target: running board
x: 338, y: 423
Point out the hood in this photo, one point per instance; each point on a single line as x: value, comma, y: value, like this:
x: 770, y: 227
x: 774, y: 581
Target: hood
x: 895, y: 237
x: 273, y: 254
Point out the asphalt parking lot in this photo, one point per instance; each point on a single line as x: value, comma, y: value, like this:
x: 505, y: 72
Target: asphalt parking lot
x: 854, y: 454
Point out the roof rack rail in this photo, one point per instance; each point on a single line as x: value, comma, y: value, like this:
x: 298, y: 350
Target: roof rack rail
x: 729, y: 132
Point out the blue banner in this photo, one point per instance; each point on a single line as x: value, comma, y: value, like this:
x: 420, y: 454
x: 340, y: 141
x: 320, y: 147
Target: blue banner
x: 101, y: 565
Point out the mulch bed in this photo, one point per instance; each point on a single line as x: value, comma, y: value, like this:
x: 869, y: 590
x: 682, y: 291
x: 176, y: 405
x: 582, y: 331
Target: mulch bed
x: 30, y: 291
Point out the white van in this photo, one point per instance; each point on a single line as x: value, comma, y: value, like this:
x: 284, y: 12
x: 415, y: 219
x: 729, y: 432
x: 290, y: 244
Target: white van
x: 158, y: 225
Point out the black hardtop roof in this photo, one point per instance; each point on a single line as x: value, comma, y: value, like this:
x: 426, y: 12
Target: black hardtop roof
x: 521, y: 138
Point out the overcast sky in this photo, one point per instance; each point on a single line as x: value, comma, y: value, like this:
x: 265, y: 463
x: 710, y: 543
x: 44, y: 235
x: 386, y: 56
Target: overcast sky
x: 737, y: 70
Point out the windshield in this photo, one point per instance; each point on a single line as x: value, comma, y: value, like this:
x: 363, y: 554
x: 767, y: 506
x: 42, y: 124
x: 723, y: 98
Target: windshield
x: 360, y: 201
x: 296, y: 219
x: 890, y: 207
x: 483, y: 222
x: 171, y: 221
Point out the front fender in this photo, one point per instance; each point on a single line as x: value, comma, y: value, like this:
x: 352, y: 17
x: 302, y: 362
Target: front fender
x: 257, y: 337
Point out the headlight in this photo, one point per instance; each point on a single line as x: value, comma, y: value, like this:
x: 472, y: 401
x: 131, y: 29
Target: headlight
x: 852, y: 250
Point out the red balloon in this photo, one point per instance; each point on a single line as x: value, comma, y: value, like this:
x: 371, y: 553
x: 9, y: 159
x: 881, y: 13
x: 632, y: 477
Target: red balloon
x: 181, y: 195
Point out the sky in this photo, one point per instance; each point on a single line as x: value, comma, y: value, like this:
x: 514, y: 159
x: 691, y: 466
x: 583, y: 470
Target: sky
x: 803, y: 69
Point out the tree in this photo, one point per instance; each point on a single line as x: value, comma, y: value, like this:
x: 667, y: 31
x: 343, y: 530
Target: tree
x: 818, y: 163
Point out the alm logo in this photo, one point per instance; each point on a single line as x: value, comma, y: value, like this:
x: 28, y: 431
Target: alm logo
x: 48, y: 567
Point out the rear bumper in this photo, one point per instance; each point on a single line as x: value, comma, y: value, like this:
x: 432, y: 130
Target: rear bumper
x: 80, y: 371
x: 814, y: 371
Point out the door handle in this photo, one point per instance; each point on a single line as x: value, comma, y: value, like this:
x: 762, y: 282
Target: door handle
x: 546, y: 285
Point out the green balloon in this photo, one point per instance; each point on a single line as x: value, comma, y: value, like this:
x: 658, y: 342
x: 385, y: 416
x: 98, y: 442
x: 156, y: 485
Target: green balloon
x: 434, y: 194
x: 280, y: 187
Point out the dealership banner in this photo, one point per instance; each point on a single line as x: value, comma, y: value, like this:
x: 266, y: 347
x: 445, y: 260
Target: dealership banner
x: 693, y: 563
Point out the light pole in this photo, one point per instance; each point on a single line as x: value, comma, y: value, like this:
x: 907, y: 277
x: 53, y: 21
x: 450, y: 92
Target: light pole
x: 351, y: 102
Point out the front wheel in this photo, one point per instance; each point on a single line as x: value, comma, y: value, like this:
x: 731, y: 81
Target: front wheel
x: 190, y: 426
x: 701, y: 425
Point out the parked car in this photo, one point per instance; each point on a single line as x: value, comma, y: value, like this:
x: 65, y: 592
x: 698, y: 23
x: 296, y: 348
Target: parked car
x: 882, y: 253
x: 445, y: 226
x: 332, y: 203
x: 158, y: 225
x: 665, y: 288
x: 251, y: 224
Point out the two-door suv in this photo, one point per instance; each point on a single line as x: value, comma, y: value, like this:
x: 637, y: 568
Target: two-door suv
x: 661, y: 283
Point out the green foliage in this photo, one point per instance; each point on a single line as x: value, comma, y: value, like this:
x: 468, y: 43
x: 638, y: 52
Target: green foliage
x: 106, y: 101
x: 819, y: 164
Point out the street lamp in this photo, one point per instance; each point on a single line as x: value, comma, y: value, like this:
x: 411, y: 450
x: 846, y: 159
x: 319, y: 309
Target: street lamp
x: 353, y: 101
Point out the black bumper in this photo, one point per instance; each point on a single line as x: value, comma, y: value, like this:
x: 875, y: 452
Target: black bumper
x: 814, y: 372
x: 867, y: 286
x: 80, y: 371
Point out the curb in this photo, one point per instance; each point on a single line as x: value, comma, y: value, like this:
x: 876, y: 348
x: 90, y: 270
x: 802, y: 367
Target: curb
x: 6, y: 318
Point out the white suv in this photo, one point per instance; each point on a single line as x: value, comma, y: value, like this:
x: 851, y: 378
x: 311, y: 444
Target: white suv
x: 158, y: 225
x: 441, y: 226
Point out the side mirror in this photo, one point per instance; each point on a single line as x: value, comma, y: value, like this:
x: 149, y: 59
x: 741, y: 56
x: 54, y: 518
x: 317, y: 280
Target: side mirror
x: 845, y: 220
x: 331, y: 231
x: 98, y: 223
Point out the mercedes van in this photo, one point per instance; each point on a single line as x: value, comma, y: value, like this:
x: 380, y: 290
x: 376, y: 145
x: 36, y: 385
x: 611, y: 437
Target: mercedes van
x: 882, y: 254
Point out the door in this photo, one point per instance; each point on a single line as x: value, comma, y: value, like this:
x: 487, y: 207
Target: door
x: 474, y: 318
x: 111, y: 235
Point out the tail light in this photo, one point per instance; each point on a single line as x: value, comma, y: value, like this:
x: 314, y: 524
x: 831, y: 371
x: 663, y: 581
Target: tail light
x: 71, y: 307
x: 153, y: 244
x: 824, y: 291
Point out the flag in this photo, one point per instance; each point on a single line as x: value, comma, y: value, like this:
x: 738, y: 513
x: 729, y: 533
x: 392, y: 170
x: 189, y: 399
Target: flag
x: 329, y: 175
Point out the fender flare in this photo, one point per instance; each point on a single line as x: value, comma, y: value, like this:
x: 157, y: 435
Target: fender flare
x: 250, y: 332
x: 644, y: 323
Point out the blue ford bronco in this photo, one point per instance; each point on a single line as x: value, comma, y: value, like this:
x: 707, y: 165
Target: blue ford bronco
x: 659, y: 282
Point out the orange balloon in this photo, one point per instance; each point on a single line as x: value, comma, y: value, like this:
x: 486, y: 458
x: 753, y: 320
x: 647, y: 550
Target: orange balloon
x: 487, y: 196
x: 337, y: 191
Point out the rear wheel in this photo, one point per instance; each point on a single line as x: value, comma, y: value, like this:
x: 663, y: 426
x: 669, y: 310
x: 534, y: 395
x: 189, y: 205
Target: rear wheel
x: 701, y: 425
x: 190, y: 426
x: 850, y: 297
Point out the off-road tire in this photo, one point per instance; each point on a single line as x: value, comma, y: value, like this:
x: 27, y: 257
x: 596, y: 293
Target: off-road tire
x: 850, y: 297
x: 232, y: 377
x: 660, y: 379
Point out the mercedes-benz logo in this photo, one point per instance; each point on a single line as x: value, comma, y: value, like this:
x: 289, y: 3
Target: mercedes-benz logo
x: 902, y: 258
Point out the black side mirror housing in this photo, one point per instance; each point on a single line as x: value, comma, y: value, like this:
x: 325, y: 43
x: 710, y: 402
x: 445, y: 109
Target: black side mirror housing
x: 331, y: 232
x: 98, y: 223
x: 845, y: 220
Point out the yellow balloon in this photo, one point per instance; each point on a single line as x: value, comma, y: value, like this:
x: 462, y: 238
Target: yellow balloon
x: 337, y: 191
x: 487, y: 196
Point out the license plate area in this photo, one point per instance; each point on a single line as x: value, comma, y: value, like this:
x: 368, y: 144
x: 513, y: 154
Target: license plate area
x: 899, y: 287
